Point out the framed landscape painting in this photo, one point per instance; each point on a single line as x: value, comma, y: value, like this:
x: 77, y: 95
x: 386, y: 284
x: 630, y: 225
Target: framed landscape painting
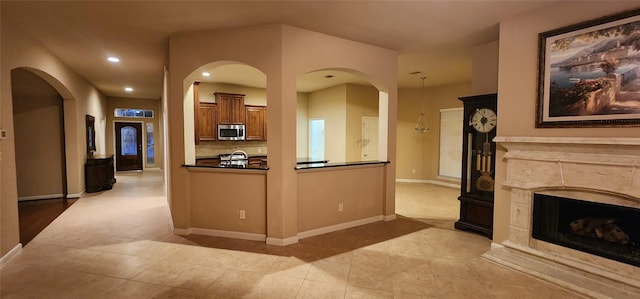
x: 589, y: 74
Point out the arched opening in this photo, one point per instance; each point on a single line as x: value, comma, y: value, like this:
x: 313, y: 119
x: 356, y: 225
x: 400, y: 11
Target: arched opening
x: 41, y: 163
x: 225, y: 94
x: 340, y: 118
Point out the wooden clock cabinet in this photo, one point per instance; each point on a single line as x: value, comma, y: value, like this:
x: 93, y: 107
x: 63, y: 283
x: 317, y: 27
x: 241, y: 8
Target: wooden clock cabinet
x: 478, y: 164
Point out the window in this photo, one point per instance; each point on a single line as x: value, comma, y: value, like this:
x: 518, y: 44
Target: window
x: 450, y: 143
x: 316, y: 139
x: 128, y: 112
x: 150, y: 144
x: 128, y: 144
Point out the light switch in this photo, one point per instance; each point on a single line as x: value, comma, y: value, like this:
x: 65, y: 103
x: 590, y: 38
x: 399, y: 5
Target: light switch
x: 3, y: 134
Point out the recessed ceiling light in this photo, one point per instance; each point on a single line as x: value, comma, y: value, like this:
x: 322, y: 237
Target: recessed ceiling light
x: 113, y: 59
x: 206, y: 74
x: 128, y: 89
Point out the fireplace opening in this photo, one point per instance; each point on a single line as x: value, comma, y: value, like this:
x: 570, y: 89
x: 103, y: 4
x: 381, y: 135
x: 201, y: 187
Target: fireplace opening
x: 609, y: 231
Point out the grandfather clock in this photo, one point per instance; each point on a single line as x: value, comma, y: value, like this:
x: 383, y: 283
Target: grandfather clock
x: 478, y: 164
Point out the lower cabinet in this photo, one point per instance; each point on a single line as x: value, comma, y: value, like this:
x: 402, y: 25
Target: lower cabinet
x: 99, y: 173
x: 208, y: 161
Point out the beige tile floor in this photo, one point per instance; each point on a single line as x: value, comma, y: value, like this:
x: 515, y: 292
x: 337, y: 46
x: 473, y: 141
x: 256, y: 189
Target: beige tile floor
x: 118, y: 244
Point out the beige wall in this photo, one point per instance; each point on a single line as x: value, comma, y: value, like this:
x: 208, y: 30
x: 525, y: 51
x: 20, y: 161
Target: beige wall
x: 285, y: 57
x: 136, y: 103
x: 253, y: 96
x: 420, y: 151
x: 330, y: 104
x: 517, y: 86
x: 302, y: 127
x: 219, y: 205
x: 484, y: 72
x: 359, y: 190
x: 80, y: 98
x: 362, y: 100
x: 38, y: 129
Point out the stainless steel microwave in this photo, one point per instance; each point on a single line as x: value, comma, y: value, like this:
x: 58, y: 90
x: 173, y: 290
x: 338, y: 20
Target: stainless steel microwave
x: 231, y: 132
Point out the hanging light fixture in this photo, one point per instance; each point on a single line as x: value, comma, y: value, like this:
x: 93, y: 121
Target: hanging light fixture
x: 421, y: 125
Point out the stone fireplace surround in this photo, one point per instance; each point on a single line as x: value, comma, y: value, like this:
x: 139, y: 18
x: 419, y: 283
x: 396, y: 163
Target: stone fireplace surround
x: 604, y: 170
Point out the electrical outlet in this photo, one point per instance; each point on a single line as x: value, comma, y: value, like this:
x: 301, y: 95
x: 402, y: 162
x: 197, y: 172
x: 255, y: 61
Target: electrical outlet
x: 413, y: 170
x: 242, y: 214
x: 3, y: 134
x: 340, y: 207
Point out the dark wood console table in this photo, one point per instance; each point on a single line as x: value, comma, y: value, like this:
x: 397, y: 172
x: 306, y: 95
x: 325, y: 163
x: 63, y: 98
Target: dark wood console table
x: 99, y: 173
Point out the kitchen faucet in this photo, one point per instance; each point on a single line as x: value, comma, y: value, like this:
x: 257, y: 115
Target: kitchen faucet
x: 240, y: 152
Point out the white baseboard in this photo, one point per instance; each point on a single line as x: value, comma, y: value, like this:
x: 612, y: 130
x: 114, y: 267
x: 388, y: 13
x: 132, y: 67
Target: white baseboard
x: 12, y: 253
x: 75, y: 195
x: 279, y: 241
x: 39, y: 197
x: 220, y: 233
x: 452, y: 185
x: 337, y: 227
x: 282, y: 242
x: 181, y: 231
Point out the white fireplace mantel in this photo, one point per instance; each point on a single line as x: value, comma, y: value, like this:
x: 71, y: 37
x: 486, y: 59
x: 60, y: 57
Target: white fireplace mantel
x: 605, y: 170
x: 599, y: 164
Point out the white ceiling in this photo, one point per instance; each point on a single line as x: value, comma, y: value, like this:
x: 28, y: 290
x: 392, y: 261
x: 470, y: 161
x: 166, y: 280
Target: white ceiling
x: 434, y: 37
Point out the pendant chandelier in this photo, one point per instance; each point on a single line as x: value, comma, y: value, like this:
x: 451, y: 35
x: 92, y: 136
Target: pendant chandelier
x: 422, y: 126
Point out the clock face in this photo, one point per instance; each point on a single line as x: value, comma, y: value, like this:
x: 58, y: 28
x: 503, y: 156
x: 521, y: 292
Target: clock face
x: 483, y: 120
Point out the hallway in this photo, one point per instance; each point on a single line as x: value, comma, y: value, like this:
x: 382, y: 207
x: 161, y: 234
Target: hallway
x: 118, y: 244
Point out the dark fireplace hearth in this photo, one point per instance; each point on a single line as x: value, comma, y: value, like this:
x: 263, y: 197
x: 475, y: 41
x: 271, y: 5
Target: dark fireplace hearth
x: 605, y: 230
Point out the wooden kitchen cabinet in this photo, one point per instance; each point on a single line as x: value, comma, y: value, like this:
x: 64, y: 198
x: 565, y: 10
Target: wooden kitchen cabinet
x: 257, y: 161
x: 206, y: 123
x: 205, y: 117
x: 256, y: 117
x: 231, y: 109
x: 208, y: 161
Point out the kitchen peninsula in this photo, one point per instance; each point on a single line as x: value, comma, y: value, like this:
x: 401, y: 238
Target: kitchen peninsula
x: 281, y: 204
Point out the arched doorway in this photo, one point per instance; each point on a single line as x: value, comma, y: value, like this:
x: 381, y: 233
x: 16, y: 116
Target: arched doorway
x: 41, y: 170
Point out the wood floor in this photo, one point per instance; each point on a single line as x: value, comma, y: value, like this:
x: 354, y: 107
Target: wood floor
x: 35, y: 215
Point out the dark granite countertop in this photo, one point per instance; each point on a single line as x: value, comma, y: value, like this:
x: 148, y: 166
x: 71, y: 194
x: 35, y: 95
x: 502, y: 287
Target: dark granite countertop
x: 301, y: 165
x: 218, y: 156
x: 300, y: 161
x: 247, y: 167
x: 329, y: 165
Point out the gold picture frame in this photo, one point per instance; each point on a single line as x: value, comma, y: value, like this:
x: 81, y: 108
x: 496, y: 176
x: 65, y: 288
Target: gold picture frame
x: 589, y: 73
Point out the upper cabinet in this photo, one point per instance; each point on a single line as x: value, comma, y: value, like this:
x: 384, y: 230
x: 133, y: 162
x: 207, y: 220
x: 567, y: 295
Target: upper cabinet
x: 206, y: 128
x: 205, y: 117
x: 256, y: 122
x: 231, y: 109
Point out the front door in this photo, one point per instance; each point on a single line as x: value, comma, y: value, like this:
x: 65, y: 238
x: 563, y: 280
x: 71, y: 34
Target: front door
x: 128, y: 146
